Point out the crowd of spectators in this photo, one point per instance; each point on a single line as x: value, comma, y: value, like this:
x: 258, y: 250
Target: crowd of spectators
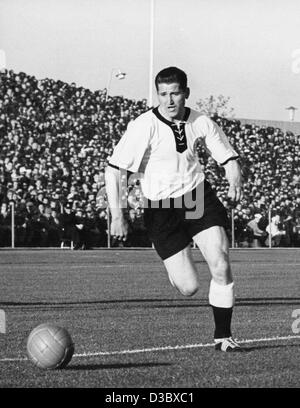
x: 270, y: 165
x: 55, y: 139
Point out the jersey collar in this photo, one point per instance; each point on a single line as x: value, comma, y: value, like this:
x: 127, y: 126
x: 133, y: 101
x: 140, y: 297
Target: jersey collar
x: 168, y: 122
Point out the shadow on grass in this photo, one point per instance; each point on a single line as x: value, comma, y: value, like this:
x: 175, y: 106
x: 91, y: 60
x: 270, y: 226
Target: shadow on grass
x: 114, y: 366
x: 273, y: 346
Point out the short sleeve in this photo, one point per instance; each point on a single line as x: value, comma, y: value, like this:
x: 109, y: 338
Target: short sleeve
x: 129, y: 152
x: 215, y: 140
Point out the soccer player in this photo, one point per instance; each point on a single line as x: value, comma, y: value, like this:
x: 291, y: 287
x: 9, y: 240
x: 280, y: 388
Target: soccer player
x: 180, y: 205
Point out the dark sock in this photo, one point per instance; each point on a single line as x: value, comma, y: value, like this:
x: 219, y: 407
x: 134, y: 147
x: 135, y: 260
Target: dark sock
x: 222, y: 316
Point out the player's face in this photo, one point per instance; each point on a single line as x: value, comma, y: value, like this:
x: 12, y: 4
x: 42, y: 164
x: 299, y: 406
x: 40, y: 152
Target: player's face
x: 172, y: 100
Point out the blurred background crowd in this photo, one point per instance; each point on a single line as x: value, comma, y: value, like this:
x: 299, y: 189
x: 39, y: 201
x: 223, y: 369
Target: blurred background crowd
x: 55, y: 141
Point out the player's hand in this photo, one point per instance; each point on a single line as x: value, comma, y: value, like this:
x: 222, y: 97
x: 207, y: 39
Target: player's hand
x: 235, y: 179
x: 235, y: 192
x: 119, y: 228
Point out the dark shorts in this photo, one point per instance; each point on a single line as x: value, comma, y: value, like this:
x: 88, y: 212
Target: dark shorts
x: 169, y: 228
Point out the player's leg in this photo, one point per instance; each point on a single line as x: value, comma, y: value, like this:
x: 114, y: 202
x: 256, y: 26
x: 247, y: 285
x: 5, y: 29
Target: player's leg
x: 182, y: 272
x: 172, y: 244
x: 214, y: 246
x: 213, y: 243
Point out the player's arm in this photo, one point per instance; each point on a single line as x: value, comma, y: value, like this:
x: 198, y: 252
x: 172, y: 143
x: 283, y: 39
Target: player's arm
x: 119, y: 226
x: 219, y: 147
x: 127, y: 155
x: 235, y: 180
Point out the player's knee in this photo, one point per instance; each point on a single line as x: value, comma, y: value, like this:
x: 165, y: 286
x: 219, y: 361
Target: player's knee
x: 185, y: 288
x: 220, y: 268
x: 188, y: 290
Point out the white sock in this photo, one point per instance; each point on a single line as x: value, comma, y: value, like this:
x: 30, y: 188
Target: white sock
x: 221, y: 295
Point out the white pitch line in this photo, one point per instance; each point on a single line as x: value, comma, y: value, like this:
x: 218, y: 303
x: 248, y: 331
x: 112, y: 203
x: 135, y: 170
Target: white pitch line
x: 183, y: 347
x: 152, y: 349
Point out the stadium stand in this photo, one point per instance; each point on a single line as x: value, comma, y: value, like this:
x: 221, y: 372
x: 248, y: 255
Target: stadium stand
x: 55, y: 139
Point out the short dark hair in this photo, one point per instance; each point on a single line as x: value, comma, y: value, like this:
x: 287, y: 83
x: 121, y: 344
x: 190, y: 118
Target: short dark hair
x: 170, y: 75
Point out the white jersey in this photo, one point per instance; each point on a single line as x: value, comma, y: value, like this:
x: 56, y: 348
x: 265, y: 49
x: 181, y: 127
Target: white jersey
x: 165, y: 152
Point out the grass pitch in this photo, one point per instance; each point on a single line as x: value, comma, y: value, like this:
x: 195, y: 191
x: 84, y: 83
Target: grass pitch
x: 132, y: 329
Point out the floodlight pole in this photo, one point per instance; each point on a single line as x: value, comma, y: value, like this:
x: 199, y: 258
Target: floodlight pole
x: 150, y: 98
x: 108, y: 226
x: 232, y: 228
x: 13, y: 224
x: 120, y: 75
x: 2, y: 60
x: 270, y: 229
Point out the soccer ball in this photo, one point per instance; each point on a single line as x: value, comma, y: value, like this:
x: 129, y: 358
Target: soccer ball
x: 50, y: 346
